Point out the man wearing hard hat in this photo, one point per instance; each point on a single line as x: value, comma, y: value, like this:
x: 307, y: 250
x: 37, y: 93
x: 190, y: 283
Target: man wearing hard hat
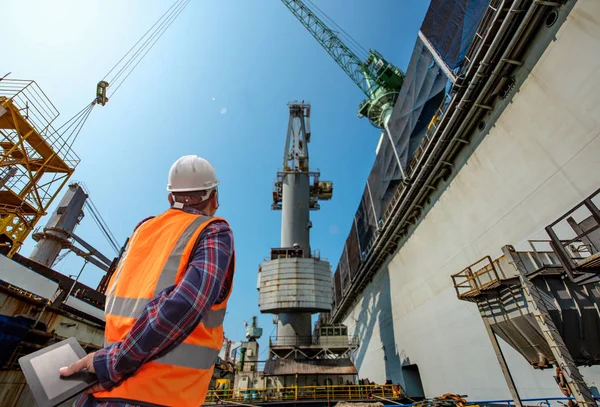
x: 166, y: 301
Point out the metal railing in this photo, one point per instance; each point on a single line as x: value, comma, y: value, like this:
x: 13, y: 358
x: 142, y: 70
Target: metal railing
x: 342, y: 340
x: 31, y: 101
x: 325, y: 392
x: 37, y: 109
x: 542, y: 401
x: 575, y: 252
x: 474, y: 278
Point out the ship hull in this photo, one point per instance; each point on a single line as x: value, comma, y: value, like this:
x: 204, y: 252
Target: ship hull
x: 534, y: 157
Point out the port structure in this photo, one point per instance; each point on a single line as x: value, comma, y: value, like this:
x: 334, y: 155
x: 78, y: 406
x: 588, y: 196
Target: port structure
x: 544, y: 302
x: 36, y: 162
x: 296, y: 282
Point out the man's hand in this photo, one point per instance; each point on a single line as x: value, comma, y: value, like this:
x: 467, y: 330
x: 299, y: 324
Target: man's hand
x: 85, y: 363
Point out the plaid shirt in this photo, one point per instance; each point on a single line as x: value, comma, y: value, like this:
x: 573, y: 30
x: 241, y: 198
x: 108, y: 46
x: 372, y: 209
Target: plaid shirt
x: 170, y: 317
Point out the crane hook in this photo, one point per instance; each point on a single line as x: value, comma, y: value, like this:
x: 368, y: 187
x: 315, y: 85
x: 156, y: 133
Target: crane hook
x: 101, y: 93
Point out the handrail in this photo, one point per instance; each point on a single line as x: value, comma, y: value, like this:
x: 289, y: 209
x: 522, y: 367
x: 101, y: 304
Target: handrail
x: 322, y: 392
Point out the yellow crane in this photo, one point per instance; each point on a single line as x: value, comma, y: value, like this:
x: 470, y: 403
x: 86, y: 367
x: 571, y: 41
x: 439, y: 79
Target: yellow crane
x: 37, y: 157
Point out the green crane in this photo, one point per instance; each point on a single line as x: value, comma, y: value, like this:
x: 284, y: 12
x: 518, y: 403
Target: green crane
x: 379, y: 79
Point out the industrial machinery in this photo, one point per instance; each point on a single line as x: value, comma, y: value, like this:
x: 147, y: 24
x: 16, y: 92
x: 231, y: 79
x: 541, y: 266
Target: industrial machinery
x: 37, y: 156
x: 36, y: 162
x: 247, y: 374
x: 295, y: 282
x: 376, y: 77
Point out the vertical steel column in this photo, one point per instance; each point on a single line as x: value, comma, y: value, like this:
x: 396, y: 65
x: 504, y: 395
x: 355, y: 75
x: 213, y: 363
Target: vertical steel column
x: 66, y: 216
x: 295, y: 213
x: 501, y: 360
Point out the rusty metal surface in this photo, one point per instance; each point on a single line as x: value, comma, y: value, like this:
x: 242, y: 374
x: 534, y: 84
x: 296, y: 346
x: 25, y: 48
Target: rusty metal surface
x: 286, y: 367
x: 55, y: 323
x: 85, y: 293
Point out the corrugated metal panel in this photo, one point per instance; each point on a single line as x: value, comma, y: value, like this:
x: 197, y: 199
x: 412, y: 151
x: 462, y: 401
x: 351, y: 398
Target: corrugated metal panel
x: 353, y: 252
x: 366, y: 221
x: 295, y: 284
x: 451, y: 25
x: 344, y: 269
x: 286, y: 367
x: 337, y: 287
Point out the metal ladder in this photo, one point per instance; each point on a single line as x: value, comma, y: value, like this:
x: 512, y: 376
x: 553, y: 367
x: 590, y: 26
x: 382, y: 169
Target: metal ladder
x: 565, y: 362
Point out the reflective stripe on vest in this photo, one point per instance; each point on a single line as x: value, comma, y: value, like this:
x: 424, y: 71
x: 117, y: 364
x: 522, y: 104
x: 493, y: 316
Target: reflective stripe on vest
x: 133, y: 307
x: 169, y: 271
x: 186, y: 355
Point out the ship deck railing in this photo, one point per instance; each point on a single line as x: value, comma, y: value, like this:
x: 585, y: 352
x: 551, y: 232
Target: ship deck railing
x: 486, y: 274
x: 476, y: 278
x: 324, y: 392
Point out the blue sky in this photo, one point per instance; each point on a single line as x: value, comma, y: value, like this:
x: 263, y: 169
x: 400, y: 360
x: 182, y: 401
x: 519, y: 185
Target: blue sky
x: 252, y: 57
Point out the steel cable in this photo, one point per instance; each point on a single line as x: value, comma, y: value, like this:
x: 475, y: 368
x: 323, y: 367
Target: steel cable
x: 135, y: 55
x: 153, y: 35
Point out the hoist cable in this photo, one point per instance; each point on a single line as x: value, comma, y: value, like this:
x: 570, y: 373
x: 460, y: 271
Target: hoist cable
x: 96, y: 213
x: 345, y: 35
x: 134, y: 56
x: 157, y: 37
x: 71, y: 128
x: 151, y: 37
x: 103, y: 228
x: 99, y: 220
x: 113, y: 68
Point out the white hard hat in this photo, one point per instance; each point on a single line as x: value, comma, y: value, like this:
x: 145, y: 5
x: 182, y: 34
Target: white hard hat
x: 191, y: 173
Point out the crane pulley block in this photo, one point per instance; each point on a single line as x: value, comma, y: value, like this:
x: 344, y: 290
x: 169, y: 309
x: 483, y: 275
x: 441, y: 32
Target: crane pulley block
x: 101, y: 93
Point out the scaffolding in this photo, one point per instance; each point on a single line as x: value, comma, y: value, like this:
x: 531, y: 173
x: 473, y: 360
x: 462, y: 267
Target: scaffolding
x: 36, y: 162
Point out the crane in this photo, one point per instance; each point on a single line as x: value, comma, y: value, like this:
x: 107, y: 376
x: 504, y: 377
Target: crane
x: 376, y: 77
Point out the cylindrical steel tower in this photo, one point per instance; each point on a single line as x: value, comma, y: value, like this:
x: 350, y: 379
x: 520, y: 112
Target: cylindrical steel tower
x: 293, y: 284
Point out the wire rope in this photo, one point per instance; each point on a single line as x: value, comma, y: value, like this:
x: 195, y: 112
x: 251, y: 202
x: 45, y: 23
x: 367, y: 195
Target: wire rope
x: 150, y: 38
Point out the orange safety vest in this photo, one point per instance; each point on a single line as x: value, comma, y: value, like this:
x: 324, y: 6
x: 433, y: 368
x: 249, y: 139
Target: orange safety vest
x: 157, y: 257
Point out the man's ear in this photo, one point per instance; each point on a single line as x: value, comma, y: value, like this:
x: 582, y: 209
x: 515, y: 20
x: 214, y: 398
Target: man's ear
x: 215, y: 200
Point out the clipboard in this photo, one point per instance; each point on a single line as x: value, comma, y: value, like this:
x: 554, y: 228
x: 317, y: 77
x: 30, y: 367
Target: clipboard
x: 41, y: 370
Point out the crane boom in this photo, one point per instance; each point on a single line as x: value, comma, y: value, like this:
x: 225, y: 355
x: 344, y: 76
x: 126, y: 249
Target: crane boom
x: 377, y: 78
x: 344, y: 56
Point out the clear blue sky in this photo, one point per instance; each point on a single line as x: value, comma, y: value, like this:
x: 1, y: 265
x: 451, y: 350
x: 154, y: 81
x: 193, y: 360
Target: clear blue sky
x: 252, y: 57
